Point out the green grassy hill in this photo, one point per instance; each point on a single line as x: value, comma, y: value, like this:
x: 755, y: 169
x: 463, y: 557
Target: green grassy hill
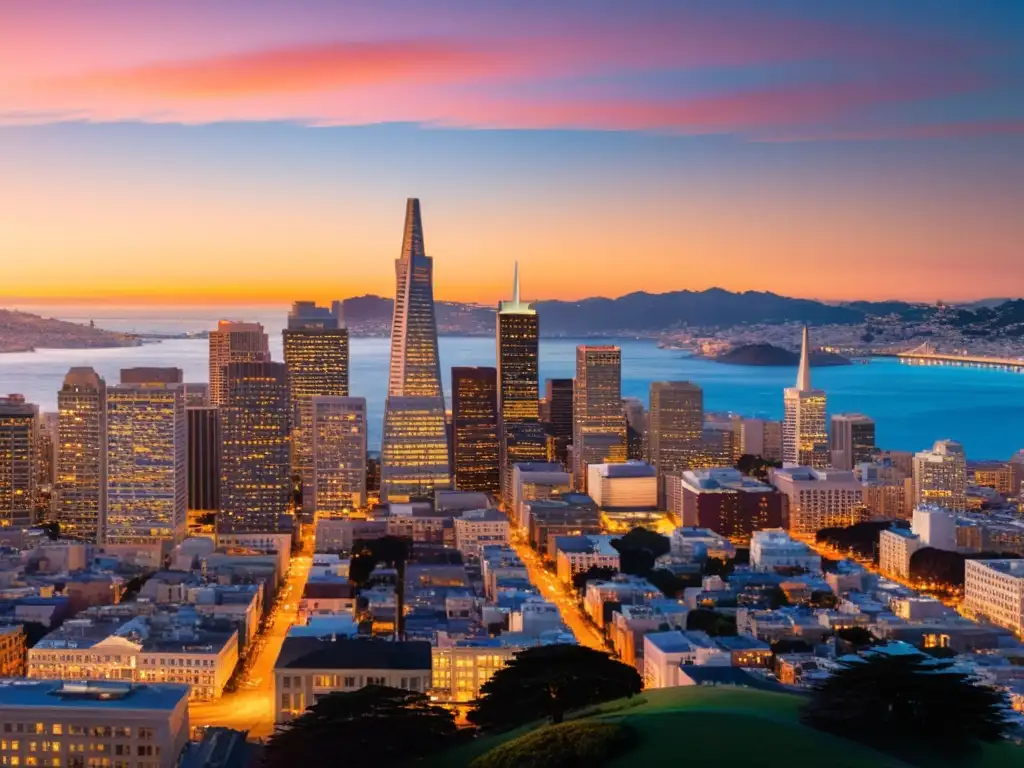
x: 724, y: 726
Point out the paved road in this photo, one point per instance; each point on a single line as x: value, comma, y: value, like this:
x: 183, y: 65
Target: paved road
x: 552, y: 589
x: 251, y: 707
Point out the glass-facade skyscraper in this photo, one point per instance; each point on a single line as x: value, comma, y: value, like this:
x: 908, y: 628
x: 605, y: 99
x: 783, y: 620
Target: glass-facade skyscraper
x: 675, y: 425
x: 475, y: 429
x: 414, y: 450
x: 599, y: 426
x: 19, y: 456
x: 81, y: 474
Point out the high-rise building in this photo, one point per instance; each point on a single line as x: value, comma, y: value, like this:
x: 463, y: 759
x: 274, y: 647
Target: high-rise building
x: 197, y: 394
x: 820, y: 498
x: 804, y: 431
x: 19, y: 470
x: 475, y: 443
x: 522, y: 437
x: 599, y: 428
x: 852, y: 440
x: 761, y: 437
x: 46, y: 464
x: 203, y: 458
x: 147, y: 459
x: 81, y: 477
x: 558, y: 394
x: 636, y: 428
x: 940, y: 476
x: 316, y: 353
x: 676, y: 423
x: 234, y: 342
x: 339, y: 454
x: 255, y: 466
x: 414, y: 449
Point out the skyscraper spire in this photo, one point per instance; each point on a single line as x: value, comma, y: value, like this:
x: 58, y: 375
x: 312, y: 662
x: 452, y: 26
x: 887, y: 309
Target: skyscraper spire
x: 515, y: 283
x: 803, y: 376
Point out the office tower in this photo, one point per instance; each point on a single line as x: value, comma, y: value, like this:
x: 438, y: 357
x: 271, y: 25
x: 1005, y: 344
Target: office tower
x: 804, y: 435
x: 636, y: 428
x: 475, y: 444
x: 19, y: 464
x: 46, y: 462
x: 819, y: 498
x: 414, y: 450
x: 940, y: 476
x: 81, y: 476
x: 255, y: 466
x: 203, y: 458
x: 761, y: 437
x: 197, y: 394
x: 338, y: 429
x: 147, y: 459
x: 522, y: 435
x: 558, y: 394
x: 234, y: 342
x: 599, y: 428
x: 316, y: 353
x: 852, y: 440
x: 717, y: 447
x: 675, y: 424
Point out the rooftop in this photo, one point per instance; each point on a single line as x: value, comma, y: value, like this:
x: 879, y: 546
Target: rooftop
x: 18, y: 692
x: 624, y: 469
x: 722, y: 480
x: 598, y: 545
x: 1011, y: 567
x: 314, y: 653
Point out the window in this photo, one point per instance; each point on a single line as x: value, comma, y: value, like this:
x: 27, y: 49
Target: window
x: 287, y: 682
x: 286, y: 700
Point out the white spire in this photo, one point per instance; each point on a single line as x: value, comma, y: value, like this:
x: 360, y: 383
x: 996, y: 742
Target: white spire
x: 515, y: 283
x: 803, y: 376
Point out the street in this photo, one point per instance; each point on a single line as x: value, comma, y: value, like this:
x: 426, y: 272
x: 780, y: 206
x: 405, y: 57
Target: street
x: 251, y: 707
x: 556, y: 592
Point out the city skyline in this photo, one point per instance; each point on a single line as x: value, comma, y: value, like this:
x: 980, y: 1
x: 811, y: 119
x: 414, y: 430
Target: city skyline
x: 695, y: 143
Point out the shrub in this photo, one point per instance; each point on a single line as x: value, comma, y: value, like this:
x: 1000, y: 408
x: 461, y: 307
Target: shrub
x: 561, y: 746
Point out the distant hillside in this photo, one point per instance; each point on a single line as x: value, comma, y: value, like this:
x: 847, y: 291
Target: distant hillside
x: 770, y: 355
x: 24, y: 332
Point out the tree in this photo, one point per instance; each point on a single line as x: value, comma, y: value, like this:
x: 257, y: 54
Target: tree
x: 392, y: 551
x: 777, y: 598
x: 860, y: 538
x: 858, y: 637
x: 755, y: 466
x: 906, y: 701
x: 638, y: 550
x: 373, y: 726
x: 712, y: 622
x: 824, y: 599
x: 593, y: 573
x: 670, y: 584
x: 548, y: 681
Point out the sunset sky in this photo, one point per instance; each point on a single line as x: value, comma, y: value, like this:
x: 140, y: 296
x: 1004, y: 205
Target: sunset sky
x: 244, y: 152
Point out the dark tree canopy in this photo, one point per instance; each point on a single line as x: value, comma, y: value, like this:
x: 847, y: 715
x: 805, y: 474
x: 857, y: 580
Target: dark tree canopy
x: 755, y: 466
x: 906, y: 702
x: 391, y: 551
x: 858, y: 637
x: 861, y: 538
x: 638, y: 550
x: 548, y: 681
x: 944, y: 567
x: 593, y: 573
x: 374, y: 726
x: 712, y: 622
x: 670, y: 584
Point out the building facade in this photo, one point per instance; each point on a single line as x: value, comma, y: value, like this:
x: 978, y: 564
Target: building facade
x: 804, y: 429
x: 81, y: 474
x: 203, y: 457
x: 338, y: 455
x: 895, y: 548
x: 255, y: 461
x: 725, y: 501
x: 414, y: 454
x: 631, y: 485
x: 316, y: 353
x: 761, y: 437
x: 940, y: 476
x: 852, y: 440
x: 475, y: 439
x: 599, y: 428
x: 558, y: 394
x: 234, y: 342
x: 994, y: 590
x: 819, y: 499
x: 19, y: 461
x: 675, y: 424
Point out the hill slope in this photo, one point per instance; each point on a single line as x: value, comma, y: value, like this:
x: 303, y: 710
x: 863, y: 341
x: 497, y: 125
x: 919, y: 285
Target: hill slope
x: 23, y: 332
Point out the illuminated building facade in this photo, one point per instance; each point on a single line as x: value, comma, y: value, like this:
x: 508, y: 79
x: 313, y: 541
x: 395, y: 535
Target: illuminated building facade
x: 234, y: 342
x: 414, y: 450
x: 339, y: 454
x: 316, y: 353
x: 599, y: 428
x: 81, y: 476
x: 636, y: 428
x: 255, y: 461
x: 522, y: 434
x: 818, y: 498
x: 558, y: 395
x: 475, y: 429
x: 940, y: 476
x: 852, y: 439
x: 147, y: 460
x: 203, y: 458
x: 19, y: 468
x: 804, y: 428
x: 675, y: 424
x: 460, y: 670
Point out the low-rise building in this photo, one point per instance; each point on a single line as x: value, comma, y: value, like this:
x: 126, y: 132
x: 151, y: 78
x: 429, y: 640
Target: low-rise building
x: 728, y: 502
x: 623, y: 485
x: 12, y: 650
x: 341, y: 534
x: 326, y: 597
x: 573, y: 514
x: 665, y: 651
x: 774, y: 548
x: 309, y: 667
x: 895, y: 548
x: 689, y: 544
x: 479, y: 528
x: 994, y: 589
x: 622, y: 589
x: 578, y: 554
x: 50, y: 722
x: 461, y: 669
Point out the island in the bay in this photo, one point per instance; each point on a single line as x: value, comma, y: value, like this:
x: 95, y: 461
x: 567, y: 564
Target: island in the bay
x: 770, y: 355
x: 25, y: 332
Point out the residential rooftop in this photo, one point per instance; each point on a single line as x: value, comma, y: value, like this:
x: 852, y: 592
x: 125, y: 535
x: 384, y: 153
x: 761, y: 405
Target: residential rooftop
x: 314, y: 653
x: 95, y: 694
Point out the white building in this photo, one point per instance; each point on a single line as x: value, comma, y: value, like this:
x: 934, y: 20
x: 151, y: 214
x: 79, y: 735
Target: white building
x: 940, y: 476
x: 700, y: 543
x: 994, y: 589
x: 895, y: 548
x: 339, y: 454
x: 773, y: 548
x: 459, y: 671
x: 534, y: 618
x: 479, y: 528
x: 665, y: 651
x: 578, y: 554
x: 804, y: 429
x: 936, y: 526
x: 628, y: 485
x: 820, y: 498
x: 49, y: 723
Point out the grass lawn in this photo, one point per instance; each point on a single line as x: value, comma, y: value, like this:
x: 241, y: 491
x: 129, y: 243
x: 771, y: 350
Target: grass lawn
x: 727, y: 726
